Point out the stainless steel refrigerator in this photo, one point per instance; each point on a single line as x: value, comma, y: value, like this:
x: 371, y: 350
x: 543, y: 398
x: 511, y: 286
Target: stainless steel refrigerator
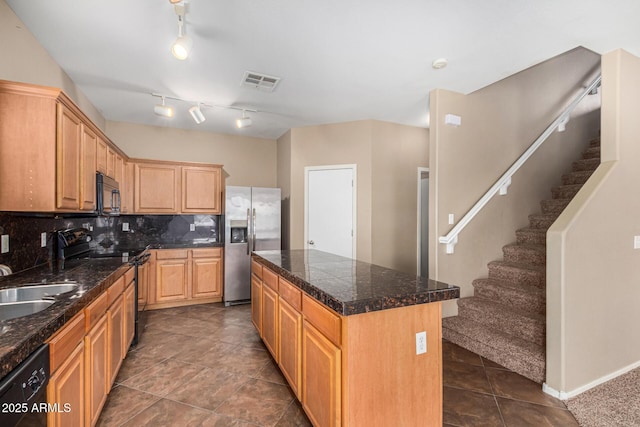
x: 252, y: 223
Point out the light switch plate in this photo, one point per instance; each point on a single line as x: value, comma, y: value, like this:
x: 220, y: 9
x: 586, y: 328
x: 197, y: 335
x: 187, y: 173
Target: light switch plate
x: 125, y: 226
x: 636, y: 242
x: 451, y: 219
x: 4, y: 245
x: 43, y: 240
x: 421, y: 342
x: 192, y: 227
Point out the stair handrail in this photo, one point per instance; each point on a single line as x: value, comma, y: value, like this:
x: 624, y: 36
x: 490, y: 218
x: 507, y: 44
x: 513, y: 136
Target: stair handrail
x: 504, y: 181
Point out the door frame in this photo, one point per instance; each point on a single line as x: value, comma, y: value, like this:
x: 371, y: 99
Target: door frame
x: 421, y: 170
x: 354, y: 207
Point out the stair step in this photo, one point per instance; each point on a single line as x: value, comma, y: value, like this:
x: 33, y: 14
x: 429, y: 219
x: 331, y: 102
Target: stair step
x: 518, y: 274
x: 533, y: 236
x: 542, y: 221
x: 528, y: 299
x: 525, y: 253
x: 527, y: 326
x: 565, y: 191
x: 591, y: 153
x: 585, y: 165
x: 554, y: 206
x: 576, y: 177
x: 523, y: 357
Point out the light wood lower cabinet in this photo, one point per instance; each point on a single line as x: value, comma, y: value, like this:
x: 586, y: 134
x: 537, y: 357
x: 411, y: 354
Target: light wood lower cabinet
x: 115, y: 316
x: 352, y: 370
x: 270, y: 320
x: 143, y: 285
x: 87, y: 353
x: 66, y: 387
x: 184, y: 276
x: 97, y: 379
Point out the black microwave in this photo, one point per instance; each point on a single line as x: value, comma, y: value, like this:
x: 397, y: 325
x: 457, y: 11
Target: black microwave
x: 108, y: 195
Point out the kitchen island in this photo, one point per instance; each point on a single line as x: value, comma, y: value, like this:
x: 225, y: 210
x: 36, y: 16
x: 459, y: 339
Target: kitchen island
x: 359, y: 344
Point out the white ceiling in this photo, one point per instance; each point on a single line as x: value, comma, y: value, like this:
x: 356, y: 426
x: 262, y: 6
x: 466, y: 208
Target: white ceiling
x: 339, y: 60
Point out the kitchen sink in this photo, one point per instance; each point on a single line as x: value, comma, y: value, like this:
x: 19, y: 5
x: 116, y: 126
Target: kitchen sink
x: 35, y: 291
x: 11, y: 310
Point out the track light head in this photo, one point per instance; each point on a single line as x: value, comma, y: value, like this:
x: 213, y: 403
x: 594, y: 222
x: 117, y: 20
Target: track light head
x: 163, y: 110
x: 244, y: 121
x: 196, y: 114
x: 183, y: 44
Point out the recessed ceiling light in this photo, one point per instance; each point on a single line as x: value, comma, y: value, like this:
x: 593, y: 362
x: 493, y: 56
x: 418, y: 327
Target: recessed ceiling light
x: 439, y: 63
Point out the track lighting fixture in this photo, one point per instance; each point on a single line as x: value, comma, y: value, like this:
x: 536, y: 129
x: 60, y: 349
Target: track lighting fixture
x: 163, y: 110
x: 244, y: 121
x: 196, y: 113
x: 182, y: 46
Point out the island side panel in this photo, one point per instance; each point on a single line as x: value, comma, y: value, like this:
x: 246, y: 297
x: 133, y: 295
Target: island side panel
x: 384, y: 381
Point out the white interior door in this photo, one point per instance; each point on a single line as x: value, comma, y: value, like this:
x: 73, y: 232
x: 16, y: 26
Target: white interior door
x: 330, y: 194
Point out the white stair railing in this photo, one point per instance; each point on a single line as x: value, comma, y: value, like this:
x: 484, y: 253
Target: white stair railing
x: 502, y: 184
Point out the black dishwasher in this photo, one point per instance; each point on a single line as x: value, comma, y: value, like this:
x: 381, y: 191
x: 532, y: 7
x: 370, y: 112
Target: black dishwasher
x: 23, y: 392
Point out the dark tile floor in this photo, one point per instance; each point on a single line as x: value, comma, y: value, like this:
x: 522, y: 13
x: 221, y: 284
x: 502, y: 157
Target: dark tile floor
x: 183, y: 374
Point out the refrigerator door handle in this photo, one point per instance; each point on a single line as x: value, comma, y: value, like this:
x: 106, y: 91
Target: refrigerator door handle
x: 254, y: 228
x: 248, y: 231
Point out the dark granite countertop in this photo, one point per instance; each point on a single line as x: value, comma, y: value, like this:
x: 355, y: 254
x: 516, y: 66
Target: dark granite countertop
x: 349, y: 286
x: 19, y: 337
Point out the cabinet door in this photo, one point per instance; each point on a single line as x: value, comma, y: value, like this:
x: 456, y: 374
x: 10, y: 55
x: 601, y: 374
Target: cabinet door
x: 111, y: 163
x: 115, y: 314
x: 201, y: 190
x: 88, y: 170
x: 129, y: 317
x: 101, y: 156
x: 290, y: 344
x: 256, y: 305
x: 68, y: 159
x: 270, y: 320
x: 207, y: 277
x: 156, y: 188
x: 171, y: 280
x: 126, y: 189
x: 97, y: 379
x: 321, y: 373
x: 67, y: 386
x: 143, y: 285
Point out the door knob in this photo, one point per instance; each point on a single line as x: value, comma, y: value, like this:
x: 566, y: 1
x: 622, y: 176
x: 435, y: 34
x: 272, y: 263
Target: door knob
x: 311, y: 242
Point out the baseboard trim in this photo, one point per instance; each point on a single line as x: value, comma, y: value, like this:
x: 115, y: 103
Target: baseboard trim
x: 566, y: 395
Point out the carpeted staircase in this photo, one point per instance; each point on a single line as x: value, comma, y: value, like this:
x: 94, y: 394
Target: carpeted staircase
x: 505, y: 319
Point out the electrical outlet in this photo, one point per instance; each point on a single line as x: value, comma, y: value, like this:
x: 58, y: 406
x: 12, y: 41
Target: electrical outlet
x: 43, y: 240
x: 421, y: 342
x: 125, y: 226
x: 192, y: 227
x: 4, y: 245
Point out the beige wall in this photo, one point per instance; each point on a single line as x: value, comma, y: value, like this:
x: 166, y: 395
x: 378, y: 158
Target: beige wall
x: 387, y: 157
x: 25, y: 60
x: 593, y: 272
x: 247, y: 161
x: 397, y: 152
x: 284, y: 182
x: 498, y: 123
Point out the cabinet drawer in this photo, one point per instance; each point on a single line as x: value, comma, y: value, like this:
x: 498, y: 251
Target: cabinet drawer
x: 115, y: 290
x: 323, y: 319
x: 256, y: 269
x: 270, y: 279
x: 207, y: 253
x: 172, y: 253
x: 62, y: 344
x: 95, y: 310
x: 290, y: 294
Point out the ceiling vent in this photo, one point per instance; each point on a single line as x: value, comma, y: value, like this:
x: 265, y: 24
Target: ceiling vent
x: 261, y: 82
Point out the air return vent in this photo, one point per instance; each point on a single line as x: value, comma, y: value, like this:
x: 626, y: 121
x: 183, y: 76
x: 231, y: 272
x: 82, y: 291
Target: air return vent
x: 260, y: 82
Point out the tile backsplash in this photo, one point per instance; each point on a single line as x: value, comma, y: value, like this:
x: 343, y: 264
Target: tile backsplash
x: 24, y: 232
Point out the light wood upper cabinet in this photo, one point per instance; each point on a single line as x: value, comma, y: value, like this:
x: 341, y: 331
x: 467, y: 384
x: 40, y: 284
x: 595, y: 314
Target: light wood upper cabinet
x: 101, y: 156
x: 126, y: 188
x: 88, y: 169
x: 69, y: 136
x: 111, y: 163
x: 156, y: 188
x: 201, y: 190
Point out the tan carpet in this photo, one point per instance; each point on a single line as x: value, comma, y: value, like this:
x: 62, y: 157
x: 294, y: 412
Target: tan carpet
x: 615, y: 403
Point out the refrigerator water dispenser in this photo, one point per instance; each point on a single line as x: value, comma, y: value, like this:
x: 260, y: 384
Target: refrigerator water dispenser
x: 239, y: 231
